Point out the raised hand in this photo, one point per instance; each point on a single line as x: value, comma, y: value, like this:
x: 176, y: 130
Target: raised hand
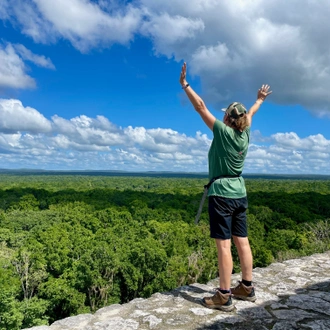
x: 263, y: 92
x: 183, y: 80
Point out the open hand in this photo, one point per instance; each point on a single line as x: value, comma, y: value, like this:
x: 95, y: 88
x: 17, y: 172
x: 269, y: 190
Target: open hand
x: 263, y: 92
x: 183, y: 80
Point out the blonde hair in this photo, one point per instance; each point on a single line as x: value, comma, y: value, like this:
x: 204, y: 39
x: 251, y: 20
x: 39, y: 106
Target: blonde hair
x: 240, y: 123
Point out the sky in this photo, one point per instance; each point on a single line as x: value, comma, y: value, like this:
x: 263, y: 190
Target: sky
x: 94, y: 84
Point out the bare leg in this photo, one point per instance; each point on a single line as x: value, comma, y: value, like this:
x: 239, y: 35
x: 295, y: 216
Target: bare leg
x: 225, y: 262
x: 245, y: 256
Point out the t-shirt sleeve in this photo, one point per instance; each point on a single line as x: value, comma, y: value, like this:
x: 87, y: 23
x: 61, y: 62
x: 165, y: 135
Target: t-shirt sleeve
x: 218, y: 126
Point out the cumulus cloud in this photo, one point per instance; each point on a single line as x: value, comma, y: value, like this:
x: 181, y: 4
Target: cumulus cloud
x: 14, y: 117
x: 28, y: 139
x: 84, y: 23
x: 235, y: 46
x: 94, y: 143
x: 89, y: 132
x: 13, y: 70
x: 288, y: 153
x: 168, y: 32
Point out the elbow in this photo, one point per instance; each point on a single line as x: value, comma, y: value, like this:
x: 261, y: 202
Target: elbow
x: 200, y: 106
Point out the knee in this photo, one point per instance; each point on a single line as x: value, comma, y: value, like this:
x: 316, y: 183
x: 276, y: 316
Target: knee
x: 223, y: 244
x: 241, y: 241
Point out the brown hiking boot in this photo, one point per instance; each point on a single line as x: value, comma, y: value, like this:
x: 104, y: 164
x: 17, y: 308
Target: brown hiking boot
x: 243, y: 292
x: 219, y: 301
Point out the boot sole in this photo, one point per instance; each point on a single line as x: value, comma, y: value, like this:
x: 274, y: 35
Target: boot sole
x: 251, y: 299
x: 219, y: 307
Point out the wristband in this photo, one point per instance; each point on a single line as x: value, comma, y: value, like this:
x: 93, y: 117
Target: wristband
x: 185, y: 86
x: 259, y: 101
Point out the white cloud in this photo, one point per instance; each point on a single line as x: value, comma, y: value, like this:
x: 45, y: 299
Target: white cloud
x: 14, y: 117
x: 4, y: 10
x: 28, y: 139
x: 316, y: 142
x: 39, y: 60
x: 88, y: 131
x: 234, y: 46
x: 288, y: 153
x: 244, y: 44
x: 84, y: 23
x: 13, y: 70
x: 167, y: 31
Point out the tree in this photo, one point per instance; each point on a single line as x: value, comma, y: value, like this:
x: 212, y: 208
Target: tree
x: 11, y: 316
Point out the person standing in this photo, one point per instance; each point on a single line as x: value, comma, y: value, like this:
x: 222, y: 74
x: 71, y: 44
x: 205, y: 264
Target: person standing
x: 227, y: 194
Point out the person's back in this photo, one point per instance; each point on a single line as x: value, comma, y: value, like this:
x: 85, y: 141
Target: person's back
x: 226, y: 159
x: 227, y: 194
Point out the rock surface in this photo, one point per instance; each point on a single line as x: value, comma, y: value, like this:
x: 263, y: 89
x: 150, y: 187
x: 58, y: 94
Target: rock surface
x: 294, y: 294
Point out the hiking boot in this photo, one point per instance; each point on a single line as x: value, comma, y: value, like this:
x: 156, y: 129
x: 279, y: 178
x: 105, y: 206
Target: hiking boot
x: 243, y: 292
x: 219, y: 301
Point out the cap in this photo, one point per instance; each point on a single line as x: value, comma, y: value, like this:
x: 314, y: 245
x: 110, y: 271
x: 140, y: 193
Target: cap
x: 235, y: 109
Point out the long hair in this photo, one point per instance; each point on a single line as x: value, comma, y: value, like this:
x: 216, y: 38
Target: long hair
x: 240, y: 123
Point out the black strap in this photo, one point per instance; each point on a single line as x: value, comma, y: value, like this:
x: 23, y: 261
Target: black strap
x: 207, y: 186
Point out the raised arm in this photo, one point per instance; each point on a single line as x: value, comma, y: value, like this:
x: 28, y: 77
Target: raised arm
x: 196, y: 100
x: 263, y: 92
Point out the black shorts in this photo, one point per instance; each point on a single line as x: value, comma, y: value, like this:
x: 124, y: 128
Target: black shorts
x: 227, y: 217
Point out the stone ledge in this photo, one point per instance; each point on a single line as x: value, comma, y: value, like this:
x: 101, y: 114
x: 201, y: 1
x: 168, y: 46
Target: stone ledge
x: 294, y: 294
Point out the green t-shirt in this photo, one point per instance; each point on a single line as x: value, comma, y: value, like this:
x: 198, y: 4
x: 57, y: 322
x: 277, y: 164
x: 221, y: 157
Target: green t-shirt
x: 226, y: 157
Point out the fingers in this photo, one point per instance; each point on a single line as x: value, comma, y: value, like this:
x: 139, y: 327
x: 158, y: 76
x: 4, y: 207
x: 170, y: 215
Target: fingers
x: 183, y: 71
x: 184, y: 67
x: 265, y: 89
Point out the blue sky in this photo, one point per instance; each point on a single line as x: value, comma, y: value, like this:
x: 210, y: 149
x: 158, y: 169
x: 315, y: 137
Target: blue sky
x: 94, y: 84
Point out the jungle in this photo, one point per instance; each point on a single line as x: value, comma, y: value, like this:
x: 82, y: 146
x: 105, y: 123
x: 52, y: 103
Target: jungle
x: 71, y: 244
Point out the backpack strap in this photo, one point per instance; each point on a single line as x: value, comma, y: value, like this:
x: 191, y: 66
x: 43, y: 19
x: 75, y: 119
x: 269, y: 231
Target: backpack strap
x: 206, y: 189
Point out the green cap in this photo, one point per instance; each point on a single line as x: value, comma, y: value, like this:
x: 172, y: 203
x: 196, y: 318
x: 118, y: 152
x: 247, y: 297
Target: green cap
x: 235, y: 109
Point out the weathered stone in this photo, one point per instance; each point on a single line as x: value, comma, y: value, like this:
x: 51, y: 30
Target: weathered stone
x: 201, y: 311
x: 311, y: 303
x: 152, y: 320
x: 278, y: 306
x: 293, y: 314
x: 252, y: 312
x: 317, y: 325
x: 72, y: 323
x: 116, y: 323
x: 284, y: 325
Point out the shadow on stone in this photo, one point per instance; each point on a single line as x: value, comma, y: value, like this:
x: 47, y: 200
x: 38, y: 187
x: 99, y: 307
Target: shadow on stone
x: 306, y: 307
x: 189, y: 292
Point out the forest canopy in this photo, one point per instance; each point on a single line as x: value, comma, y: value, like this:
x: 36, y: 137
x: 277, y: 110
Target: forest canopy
x: 71, y: 244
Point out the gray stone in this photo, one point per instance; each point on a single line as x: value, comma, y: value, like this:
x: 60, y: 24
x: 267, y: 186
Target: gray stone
x: 293, y: 314
x: 153, y: 321
x: 311, y: 303
x: 317, y: 325
x: 283, y: 325
x: 116, y: 323
x: 72, y: 323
